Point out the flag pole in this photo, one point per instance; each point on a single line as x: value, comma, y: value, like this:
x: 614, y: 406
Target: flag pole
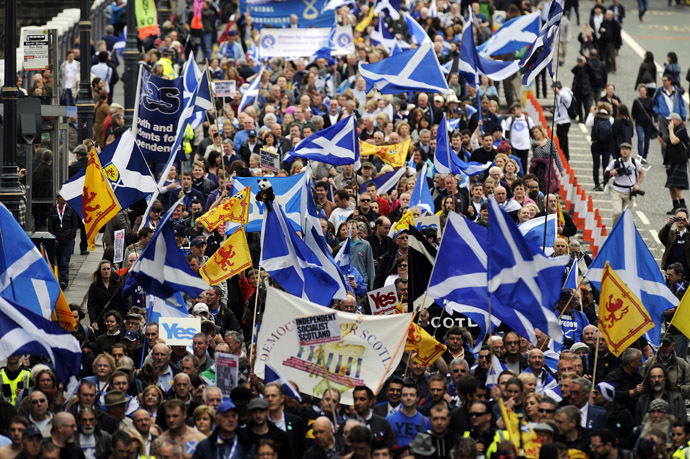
x: 135, y: 118
x: 215, y: 112
x: 560, y: 314
x: 328, y: 384
x: 596, y: 359
x: 256, y: 304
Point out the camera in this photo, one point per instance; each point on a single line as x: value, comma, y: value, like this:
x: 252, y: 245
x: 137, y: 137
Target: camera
x: 677, y: 219
x: 638, y: 193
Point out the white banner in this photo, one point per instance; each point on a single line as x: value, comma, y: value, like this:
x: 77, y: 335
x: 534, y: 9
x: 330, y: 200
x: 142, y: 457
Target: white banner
x: 370, y: 349
x: 224, y: 88
x: 304, y: 42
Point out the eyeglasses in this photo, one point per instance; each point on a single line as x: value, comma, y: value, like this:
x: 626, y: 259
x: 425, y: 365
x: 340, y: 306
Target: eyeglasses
x: 474, y: 415
x: 403, y: 266
x: 36, y: 402
x: 544, y: 410
x: 365, y: 200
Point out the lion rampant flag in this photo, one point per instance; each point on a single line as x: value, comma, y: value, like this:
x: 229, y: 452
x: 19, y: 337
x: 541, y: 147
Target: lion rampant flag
x: 622, y: 317
x: 234, y: 209
x: 231, y: 258
x: 98, y: 200
x: 522, y: 436
x: 395, y: 155
x: 428, y: 349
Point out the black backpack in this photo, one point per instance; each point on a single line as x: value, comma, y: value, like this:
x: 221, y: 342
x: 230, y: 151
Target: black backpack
x: 572, y: 108
x: 602, y: 131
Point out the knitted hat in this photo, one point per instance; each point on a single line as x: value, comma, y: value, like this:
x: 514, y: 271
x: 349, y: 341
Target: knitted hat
x: 659, y: 405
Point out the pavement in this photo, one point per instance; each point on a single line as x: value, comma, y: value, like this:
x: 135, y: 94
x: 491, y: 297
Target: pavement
x: 81, y: 268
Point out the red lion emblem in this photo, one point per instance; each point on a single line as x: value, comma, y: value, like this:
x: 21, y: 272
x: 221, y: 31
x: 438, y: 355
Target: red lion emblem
x: 615, y: 310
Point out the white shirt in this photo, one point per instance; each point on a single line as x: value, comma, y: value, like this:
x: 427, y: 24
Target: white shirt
x: 624, y: 183
x: 520, y: 128
x: 583, y: 415
x: 88, y: 445
x: 70, y: 74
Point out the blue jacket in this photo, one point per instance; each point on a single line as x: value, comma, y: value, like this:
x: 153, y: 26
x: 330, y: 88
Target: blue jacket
x: 661, y: 108
x: 362, y: 258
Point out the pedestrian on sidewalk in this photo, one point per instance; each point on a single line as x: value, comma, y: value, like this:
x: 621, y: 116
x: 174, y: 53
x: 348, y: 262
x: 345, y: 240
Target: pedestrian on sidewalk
x: 643, y: 117
x: 63, y: 223
x: 676, y: 160
x: 628, y: 174
x: 564, y: 99
x: 601, y: 122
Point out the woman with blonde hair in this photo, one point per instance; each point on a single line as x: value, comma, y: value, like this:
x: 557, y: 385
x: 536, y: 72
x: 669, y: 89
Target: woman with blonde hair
x: 151, y: 400
x: 204, y: 419
x: 532, y: 400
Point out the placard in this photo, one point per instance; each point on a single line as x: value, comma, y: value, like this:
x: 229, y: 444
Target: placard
x: 224, y: 88
x: 383, y: 300
x: 36, y: 50
x: 227, y: 372
x: 303, y: 42
x: 119, y: 246
x: 432, y: 221
x: 270, y: 160
x: 177, y: 331
x: 318, y: 329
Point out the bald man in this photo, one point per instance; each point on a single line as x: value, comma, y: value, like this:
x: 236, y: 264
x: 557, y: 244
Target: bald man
x: 536, y: 366
x: 327, y: 443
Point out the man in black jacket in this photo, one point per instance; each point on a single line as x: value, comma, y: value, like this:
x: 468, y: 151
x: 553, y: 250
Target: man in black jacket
x: 63, y: 223
x: 363, y: 403
x: 289, y: 423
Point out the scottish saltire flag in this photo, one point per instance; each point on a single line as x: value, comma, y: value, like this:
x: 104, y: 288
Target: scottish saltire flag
x: 190, y: 77
x: 252, y: 52
x: 291, y: 263
x: 162, y: 269
x: 421, y: 195
x: 385, y: 182
x: 124, y: 167
x: 200, y: 100
x: 543, y: 47
x: 534, y: 230
x: 252, y: 92
x: 471, y: 64
x: 512, y: 36
x: 273, y: 375
x: 416, y: 31
x: 446, y: 68
x: 342, y: 259
x: 389, y: 7
x: 119, y: 45
x: 443, y: 154
x: 158, y: 307
x: 288, y: 192
x: 571, y: 280
x: 629, y: 256
x: 521, y: 275
x: 24, y: 332
x: 494, y: 371
x: 336, y: 4
x: 382, y: 36
x: 433, y: 12
x: 25, y: 277
x: 337, y: 144
x: 413, y: 70
x: 466, y: 283
x: 477, y: 315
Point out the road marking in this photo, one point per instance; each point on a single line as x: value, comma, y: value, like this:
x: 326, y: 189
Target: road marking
x: 583, y: 128
x: 642, y: 216
x: 655, y: 236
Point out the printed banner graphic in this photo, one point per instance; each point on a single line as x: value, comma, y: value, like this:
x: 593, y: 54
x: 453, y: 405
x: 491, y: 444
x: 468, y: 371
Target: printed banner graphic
x: 277, y: 14
x: 304, y: 42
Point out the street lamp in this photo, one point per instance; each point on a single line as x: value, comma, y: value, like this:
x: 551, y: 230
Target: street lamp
x: 85, y: 105
x: 131, y: 58
x: 10, y: 193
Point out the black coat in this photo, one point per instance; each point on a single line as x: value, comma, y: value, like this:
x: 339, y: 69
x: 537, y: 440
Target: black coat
x: 65, y: 229
x: 582, y: 81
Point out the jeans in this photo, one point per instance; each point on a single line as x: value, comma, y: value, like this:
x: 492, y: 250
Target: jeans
x: 644, y: 134
x: 562, y: 134
x: 69, y: 98
x: 641, y: 7
x: 207, y: 45
x: 63, y: 253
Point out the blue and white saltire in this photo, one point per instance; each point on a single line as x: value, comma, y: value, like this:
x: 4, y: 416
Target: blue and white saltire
x: 533, y: 230
x: 445, y: 68
x: 466, y: 283
x: 471, y: 64
x: 273, y: 375
x: 543, y: 45
x: 126, y: 170
x: 288, y: 192
x: 162, y: 269
x: 119, y: 46
x: 571, y: 280
x: 512, y: 36
x: 479, y: 316
x: 382, y: 36
x: 390, y: 7
x: 421, y: 195
x: 23, y: 332
x: 252, y: 52
x: 415, y: 30
x: 158, y: 307
x: 337, y: 144
x: 413, y: 70
x: 250, y: 95
x: 385, y: 182
x: 494, y: 372
x: 190, y: 78
x: 25, y: 277
x: 291, y: 263
x: 337, y: 4
x: 521, y: 275
x: 629, y: 256
x: 342, y: 259
x: 444, y: 153
x: 433, y: 11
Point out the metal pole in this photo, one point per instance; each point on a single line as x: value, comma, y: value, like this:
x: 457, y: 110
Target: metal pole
x: 85, y: 105
x: 131, y: 58
x: 10, y: 193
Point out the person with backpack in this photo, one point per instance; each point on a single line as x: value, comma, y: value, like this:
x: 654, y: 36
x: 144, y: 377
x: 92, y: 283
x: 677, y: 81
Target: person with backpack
x: 601, y: 122
x: 628, y: 174
x: 676, y: 160
x: 582, y: 87
x: 566, y: 109
x: 599, y: 74
x: 516, y: 130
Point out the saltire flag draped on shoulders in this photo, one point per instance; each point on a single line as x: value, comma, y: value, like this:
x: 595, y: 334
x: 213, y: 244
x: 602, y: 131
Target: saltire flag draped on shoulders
x: 628, y: 255
x: 512, y: 36
x: 124, y: 167
x: 98, y: 200
x: 521, y: 275
x: 337, y: 144
x: 443, y: 153
x: 385, y: 182
x: 291, y: 263
x: 465, y: 284
x: 413, y: 70
x: 544, y: 46
x: 394, y: 155
x: 162, y: 269
x: 119, y: 46
x: 471, y: 64
x: 23, y: 332
x: 421, y: 195
x: 24, y: 274
x: 342, y: 259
